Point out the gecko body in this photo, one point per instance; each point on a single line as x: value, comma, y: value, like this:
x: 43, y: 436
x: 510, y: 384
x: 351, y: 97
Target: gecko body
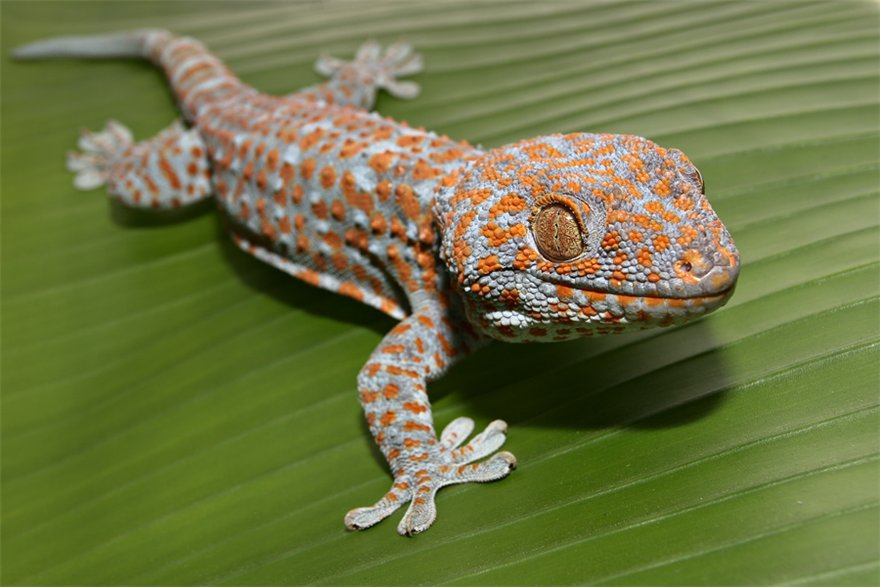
x: 547, y: 239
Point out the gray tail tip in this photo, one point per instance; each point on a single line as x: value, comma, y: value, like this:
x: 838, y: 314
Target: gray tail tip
x: 125, y: 44
x: 25, y: 52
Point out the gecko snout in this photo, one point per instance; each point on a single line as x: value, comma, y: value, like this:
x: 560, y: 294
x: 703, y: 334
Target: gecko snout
x: 705, y: 274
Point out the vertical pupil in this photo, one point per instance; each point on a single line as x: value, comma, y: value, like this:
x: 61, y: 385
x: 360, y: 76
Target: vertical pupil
x: 557, y: 233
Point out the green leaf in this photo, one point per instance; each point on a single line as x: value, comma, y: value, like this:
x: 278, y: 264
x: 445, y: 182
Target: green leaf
x: 175, y: 412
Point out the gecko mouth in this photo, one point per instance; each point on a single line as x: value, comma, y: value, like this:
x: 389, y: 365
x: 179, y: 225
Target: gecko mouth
x: 713, y: 285
x: 726, y: 293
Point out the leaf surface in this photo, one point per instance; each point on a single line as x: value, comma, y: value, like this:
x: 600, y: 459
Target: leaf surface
x: 175, y: 412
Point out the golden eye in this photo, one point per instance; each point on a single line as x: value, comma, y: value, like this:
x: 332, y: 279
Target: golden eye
x: 699, y: 177
x: 557, y: 233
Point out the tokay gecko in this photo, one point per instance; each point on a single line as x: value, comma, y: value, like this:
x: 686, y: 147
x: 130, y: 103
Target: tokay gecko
x: 547, y: 239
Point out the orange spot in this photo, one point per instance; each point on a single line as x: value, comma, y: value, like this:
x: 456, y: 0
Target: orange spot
x: 307, y: 169
x: 337, y: 210
x: 509, y: 204
x: 272, y: 159
x: 378, y: 224
x: 248, y: 171
x: 351, y: 148
x: 391, y: 391
x: 319, y: 209
x: 395, y: 370
x: 340, y: 261
x: 411, y: 426
x: 661, y: 243
x: 397, y: 228
x: 424, y: 171
x: 351, y: 290
x: 414, y: 407
x: 328, y: 177
x: 287, y: 172
x: 407, y: 201
x: 170, y: 175
x: 311, y: 139
x: 354, y: 197
x: 488, y: 264
x: 654, y: 207
x: 302, y: 244
x: 332, y: 239
x: 409, y: 140
x: 383, y: 189
x: 450, y: 350
x: 381, y: 162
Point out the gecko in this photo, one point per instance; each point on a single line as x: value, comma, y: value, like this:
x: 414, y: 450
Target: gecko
x: 547, y: 239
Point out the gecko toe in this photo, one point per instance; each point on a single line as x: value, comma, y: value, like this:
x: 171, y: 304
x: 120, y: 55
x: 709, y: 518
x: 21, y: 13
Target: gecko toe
x: 366, y: 517
x: 421, y: 514
x: 481, y: 445
x: 456, y: 432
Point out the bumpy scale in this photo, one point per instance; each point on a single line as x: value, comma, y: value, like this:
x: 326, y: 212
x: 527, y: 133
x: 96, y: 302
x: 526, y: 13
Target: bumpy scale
x: 543, y: 240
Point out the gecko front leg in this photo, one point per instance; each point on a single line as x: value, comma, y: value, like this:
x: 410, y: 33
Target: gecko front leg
x: 392, y: 388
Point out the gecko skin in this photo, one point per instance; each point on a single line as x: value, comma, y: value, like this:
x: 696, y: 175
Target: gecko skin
x: 547, y: 239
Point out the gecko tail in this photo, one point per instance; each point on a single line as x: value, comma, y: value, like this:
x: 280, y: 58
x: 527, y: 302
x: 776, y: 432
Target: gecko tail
x: 194, y: 73
x: 115, y: 45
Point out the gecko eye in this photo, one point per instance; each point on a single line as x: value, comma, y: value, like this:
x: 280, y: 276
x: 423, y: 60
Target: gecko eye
x: 558, y: 233
x: 699, y: 177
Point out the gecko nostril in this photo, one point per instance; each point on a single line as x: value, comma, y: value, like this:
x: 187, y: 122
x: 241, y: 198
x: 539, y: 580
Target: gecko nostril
x: 693, y: 265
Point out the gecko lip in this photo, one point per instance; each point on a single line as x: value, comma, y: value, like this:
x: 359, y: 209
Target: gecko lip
x: 714, y: 285
x: 696, y: 298
x: 707, y: 298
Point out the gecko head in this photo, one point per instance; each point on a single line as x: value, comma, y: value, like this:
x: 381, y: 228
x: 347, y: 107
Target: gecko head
x: 572, y: 235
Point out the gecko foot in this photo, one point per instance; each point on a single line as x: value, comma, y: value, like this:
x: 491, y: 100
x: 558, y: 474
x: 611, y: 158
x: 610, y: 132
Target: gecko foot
x: 381, y: 70
x: 419, y: 483
x: 99, y: 150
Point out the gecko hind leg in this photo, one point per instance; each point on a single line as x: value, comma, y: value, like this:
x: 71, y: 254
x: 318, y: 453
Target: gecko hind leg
x: 371, y: 67
x: 168, y: 171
